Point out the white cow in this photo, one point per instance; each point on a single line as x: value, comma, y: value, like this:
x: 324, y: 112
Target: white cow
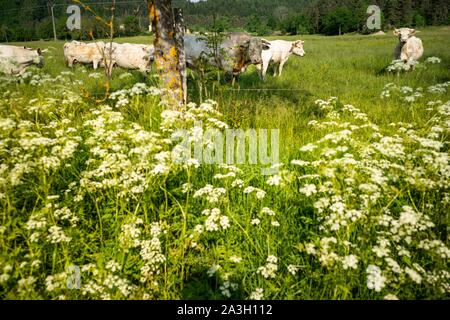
x: 15, y: 60
x: 131, y: 56
x: 409, y: 46
x: 85, y: 53
x: 279, y: 53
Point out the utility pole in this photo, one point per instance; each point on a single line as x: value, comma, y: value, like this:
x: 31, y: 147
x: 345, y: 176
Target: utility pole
x: 54, y: 26
x: 179, y: 41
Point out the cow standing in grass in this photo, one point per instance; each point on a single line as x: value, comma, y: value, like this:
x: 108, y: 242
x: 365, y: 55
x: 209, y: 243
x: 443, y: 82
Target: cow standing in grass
x: 131, y: 56
x: 409, y: 48
x: 15, y: 60
x: 85, y: 53
x: 236, y: 53
x: 279, y: 53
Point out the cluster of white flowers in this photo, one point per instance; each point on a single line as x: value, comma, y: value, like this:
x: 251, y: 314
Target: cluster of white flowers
x: 400, y: 65
x: 433, y: 60
x: 293, y: 269
x: 369, y: 175
x: 56, y: 282
x: 260, y: 194
x: 57, y: 235
x: 121, y: 154
x: 269, y: 270
x: 212, y: 271
x: 404, y: 93
x: 375, y: 279
x: 65, y: 214
x: 129, y: 237
x: 211, y: 194
x: 235, y: 259
x: 439, y: 88
x: 125, y: 96
x: 308, y: 190
x: 151, y: 252
x: 258, y: 294
x: 227, y: 287
x: 350, y: 262
x: 215, y: 220
x: 106, y: 284
x: 34, y: 148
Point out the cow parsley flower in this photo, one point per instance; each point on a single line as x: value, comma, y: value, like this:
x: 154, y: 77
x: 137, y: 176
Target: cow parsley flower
x: 258, y: 294
x: 235, y: 259
x: 308, y: 190
x: 212, y: 271
x: 292, y: 269
x: 255, y: 222
x: 375, y: 280
x: 350, y: 262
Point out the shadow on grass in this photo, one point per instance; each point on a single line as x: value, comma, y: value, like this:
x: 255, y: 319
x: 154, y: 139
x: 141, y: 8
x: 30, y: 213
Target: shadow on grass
x: 199, y: 286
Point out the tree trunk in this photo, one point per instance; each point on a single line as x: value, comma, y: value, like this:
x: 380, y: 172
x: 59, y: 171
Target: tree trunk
x: 166, y: 52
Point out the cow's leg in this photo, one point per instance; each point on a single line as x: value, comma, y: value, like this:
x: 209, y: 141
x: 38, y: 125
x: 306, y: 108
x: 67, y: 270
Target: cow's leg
x: 95, y: 63
x: 280, y: 68
x: 265, y: 68
x: 235, y: 77
x: 275, y: 70
x: 259, y: 68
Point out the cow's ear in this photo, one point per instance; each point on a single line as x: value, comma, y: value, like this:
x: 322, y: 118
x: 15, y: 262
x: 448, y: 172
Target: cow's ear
x: 39, y: 51
x: 396, y: 32
x: 265, y: 44
x: 412, y: 31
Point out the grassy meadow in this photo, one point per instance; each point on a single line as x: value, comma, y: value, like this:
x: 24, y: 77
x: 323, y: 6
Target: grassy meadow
x: 94, y: 204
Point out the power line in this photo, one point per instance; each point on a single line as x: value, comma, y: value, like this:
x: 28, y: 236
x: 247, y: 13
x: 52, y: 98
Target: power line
x: 87, y: 4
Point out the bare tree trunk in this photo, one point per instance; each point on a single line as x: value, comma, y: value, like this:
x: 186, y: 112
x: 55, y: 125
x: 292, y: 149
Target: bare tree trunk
x: 166, y: 52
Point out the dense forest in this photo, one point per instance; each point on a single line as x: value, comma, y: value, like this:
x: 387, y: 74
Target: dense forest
x: 32, y: 19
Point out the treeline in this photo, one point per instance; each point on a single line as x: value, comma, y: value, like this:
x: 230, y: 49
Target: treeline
x: 329, y: 17
x: 23, y: 20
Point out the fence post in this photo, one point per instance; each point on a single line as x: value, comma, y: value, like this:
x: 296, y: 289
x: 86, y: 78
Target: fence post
x: 179, y: 39
x: 54, y: 26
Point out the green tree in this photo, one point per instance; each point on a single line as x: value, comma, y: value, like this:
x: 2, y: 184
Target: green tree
x: 339, y: 21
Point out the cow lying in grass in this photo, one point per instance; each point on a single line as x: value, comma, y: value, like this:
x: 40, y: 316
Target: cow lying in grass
x: 15, y: 60
x: 409, y: 48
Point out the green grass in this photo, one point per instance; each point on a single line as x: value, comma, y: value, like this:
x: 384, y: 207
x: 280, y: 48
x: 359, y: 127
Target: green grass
x: 348, y: 67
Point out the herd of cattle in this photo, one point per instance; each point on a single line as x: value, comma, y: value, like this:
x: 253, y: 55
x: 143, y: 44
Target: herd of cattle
x: 235, y: 54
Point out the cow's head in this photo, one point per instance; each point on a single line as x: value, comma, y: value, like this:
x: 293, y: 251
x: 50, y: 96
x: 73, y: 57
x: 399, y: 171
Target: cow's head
x: 404, y: 34
x: 253, y: 47
x: 147, y: 54
x: 151, y: 53
x: 297, y: 48
x: 38, y: 59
